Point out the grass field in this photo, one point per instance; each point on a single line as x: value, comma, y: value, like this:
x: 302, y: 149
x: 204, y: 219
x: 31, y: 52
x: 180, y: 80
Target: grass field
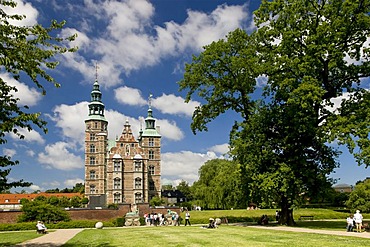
x: 196, y: 236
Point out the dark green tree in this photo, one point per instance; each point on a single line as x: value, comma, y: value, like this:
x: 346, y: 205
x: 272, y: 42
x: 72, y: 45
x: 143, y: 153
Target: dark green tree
x: 359, y: 199
x: 156, y: 201
x: 311, y: 52
x: 185, y: 189
x: 220, y: 186
x: 25, y: 52
x: 41, y: 210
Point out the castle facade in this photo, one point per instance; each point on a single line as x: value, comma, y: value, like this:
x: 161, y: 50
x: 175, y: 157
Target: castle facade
x: 124, y: 170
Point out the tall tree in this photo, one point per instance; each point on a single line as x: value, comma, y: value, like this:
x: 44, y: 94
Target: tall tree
x: 25, y: 51
x: 359, y: 199
x: 312, y: 52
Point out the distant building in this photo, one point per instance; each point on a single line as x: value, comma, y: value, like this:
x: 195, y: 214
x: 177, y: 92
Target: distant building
x: 173, y: 196
x: 13, y: 201
x: 343, y: 188
x: 124, y: 170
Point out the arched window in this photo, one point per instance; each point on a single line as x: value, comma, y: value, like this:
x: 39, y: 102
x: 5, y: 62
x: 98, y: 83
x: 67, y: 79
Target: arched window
x: 138, y: 166
x: 92, y: 136
x: 151, y: 142
x: 151, y: 185
x: 151, y: 154
x: 138, y: 198
x: 92, y: 189
x: 92, y: 160
x: 116, y: 165
x: 117, y: 183
x: 117, y: 198
x: 137, y: 183
x: 151, y: 170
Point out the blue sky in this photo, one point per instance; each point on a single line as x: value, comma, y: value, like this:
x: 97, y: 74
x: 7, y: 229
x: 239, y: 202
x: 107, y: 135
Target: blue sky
x: 140, y: 48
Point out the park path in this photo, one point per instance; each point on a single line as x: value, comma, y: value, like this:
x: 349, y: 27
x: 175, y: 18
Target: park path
x: 52, y: 239
x: 308, y: 230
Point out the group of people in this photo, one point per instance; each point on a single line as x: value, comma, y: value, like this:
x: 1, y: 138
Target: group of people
x: 159, y: 219
x: 354, y: 220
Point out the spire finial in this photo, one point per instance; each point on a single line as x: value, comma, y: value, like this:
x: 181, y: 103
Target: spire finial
x: 96, y: 70
x: 150, y: 100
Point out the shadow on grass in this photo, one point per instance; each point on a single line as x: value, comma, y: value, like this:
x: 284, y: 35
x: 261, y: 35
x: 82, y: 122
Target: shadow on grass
x: 311, y: 224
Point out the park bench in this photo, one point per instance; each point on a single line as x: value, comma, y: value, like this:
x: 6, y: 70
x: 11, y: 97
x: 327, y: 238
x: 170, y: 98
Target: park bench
x: 306, y: 217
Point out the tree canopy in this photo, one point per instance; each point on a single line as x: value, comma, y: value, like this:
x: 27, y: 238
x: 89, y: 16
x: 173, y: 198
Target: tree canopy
x: 359, y: 199
x: 311, y: 53
x: 26, y: 52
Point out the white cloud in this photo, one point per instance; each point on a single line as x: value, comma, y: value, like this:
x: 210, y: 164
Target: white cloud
x: 9, y: 152
x: 70, y: 118
x: 22, y: 8
x: 31, y: 136
x: 72, y: 182
x: 129, y: 96
x: 30, y: 153
x: 131, y: 42
x: 171, y: 104
x: 34, y: 187
x: 187, y: 162
x: 27, y: 96
x: 169, y: 129
x: 220, y: 149
x: 59, y: 156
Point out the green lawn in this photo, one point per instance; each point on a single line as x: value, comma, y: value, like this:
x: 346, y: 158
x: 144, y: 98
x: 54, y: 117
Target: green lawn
x: 12, y: 238
x: 196, y: 236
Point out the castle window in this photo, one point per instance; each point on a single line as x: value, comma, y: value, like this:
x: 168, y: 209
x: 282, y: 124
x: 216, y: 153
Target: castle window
x: 92, y: 189
x: 151, y: 170
x: 151, y: 142
x: 117, y: 183
x: 127, y: 150
x: 138, y: 198
x: 137, y: 183
x: 137, y: 166
x: 151, y: 185
x: 92, y: 174
x: 117, y: 166
x: 92, y: 136
x: 92, y: 148
x: 92, y: 160
x: 117, y: 198
x: 96, y: 125
x: 151, y: 154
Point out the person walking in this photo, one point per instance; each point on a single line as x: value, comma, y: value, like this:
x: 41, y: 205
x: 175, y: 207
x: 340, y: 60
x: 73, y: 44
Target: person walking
x: 357, y: 217
x: 187, y: 218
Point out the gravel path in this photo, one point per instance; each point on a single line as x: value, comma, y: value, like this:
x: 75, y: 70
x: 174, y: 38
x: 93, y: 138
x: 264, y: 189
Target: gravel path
x: 52, y: 239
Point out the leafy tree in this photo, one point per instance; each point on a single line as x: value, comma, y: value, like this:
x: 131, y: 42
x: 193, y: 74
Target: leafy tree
x: 219, y: 186
x: 79, y: 188
x: 156, y: 201
x: 167, y: 187
x: 359, y: 199
x: 26, y: 52
x: 185, y: 189
x: 41, y: 210
x: 311, y: 53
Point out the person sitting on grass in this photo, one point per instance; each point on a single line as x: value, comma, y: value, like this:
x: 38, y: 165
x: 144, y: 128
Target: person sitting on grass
x: 41, y: 228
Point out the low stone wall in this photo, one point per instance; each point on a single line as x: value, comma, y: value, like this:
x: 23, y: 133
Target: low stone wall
x: 9, y: 216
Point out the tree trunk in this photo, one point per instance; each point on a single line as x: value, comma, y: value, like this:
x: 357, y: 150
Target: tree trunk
x: 286, y: 214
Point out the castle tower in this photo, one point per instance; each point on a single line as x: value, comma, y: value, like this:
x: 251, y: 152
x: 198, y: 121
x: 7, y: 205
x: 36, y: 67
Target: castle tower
x: 150, y: 141
x: 96, y: 137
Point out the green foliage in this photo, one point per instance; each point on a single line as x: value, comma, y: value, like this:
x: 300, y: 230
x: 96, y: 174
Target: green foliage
x: 41, y: 210
x: 26, y: 52
x: 113, y: 206
x: 156, y: 201
x: 185, y: 189
x: 311, y: 52
x: 360, y: 197
x: 220, y: 186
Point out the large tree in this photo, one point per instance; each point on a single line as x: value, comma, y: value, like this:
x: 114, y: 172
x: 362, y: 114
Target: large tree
x: 311, y: 52
x: 26, y: 52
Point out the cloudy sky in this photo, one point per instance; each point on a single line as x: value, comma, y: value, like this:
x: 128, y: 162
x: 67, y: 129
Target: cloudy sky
x: 140, y: 47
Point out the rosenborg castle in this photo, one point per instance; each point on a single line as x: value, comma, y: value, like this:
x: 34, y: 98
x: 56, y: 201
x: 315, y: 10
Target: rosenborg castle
x: 124, y: 170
